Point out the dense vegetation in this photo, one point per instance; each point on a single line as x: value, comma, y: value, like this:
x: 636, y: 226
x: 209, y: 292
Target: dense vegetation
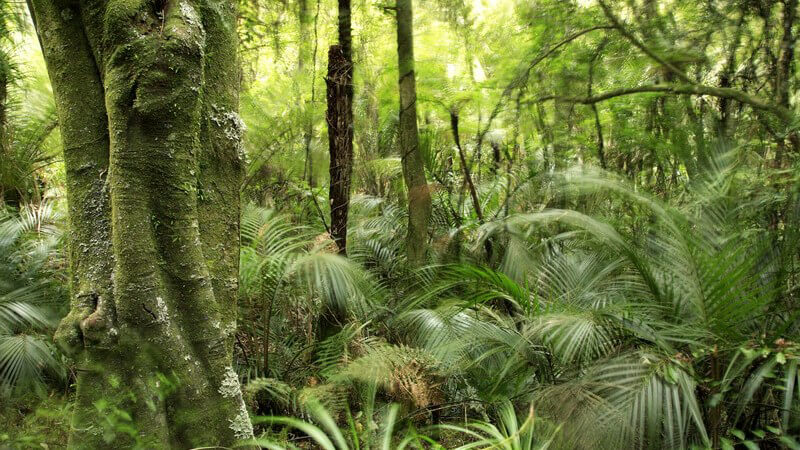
x: 464, y: 224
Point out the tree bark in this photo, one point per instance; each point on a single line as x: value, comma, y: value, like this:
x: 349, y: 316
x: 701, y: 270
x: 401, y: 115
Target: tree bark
x: 3, y: 99
x: 147, y: 100
x: 3, y: 115
x: 8, y: 194
x: 601, y: 154
x: 303, y: 47
x: 783, y: 75
x: 340, y: 126
x: 496, y: 157
x: 419, y: 196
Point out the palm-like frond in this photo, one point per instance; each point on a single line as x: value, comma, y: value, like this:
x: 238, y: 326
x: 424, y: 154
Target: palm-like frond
x: 638, y: 400
x: 377, y: 235
x: 30, y: 240
x: 23, y: 359
x: 277, y: 255
x: 30, y: 145
x: 21, y: 308
x: 613, y: 309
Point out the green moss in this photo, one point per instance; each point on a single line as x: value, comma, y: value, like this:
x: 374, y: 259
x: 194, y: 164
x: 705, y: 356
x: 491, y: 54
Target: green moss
x: 144, y: 295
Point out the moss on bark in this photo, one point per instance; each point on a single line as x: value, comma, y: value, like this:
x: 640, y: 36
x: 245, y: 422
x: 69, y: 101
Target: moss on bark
x: 419, y: 196
x: 147, y: 97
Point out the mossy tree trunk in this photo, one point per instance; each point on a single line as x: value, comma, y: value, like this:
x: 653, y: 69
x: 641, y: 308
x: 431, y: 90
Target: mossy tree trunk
x: 147, y: 98
x: 419, y: 196
x: 340, y: 126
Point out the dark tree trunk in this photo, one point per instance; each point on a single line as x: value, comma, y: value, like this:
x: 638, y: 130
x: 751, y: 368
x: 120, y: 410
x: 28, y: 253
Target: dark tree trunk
x: 3, y: 100
x: 340, y: 126
x: 473, y: 193
x: 340, y: 141
x: 496, y: 157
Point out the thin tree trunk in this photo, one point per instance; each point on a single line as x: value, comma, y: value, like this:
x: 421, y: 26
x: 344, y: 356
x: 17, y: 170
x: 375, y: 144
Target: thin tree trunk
x: 303, y: 21
x: 155, y: 283
x: 783, y: 74
x: 419, y: 197
x: 786, y: 59
x: 601, y: 154
x: 308, y: 128
x: 340, y: 126
x: 3, y: 99
x: 465, y: 167
x: 496, y: 157
x: 726, y: 80
x: 302, y: 56
x: 487, y: 244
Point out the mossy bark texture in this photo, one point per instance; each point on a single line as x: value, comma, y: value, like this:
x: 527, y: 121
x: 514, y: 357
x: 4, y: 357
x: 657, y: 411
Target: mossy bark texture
x: 147, y: 99
x: 419, y: 196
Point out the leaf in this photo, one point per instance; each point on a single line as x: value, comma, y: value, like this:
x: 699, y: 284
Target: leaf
x: 316, y: 434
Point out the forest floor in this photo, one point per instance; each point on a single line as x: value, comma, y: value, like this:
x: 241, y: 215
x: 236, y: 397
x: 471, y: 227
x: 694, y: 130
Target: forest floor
x: 35, y: 422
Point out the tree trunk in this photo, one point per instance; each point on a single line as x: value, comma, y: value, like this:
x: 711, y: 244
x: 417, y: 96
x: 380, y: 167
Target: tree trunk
x: 303, y: 56
x: 147, y: 99
x: 3, y: 116
x: 340, y: 126
x: 3, y: 99
x: 496, y: 157
x: 473, y: 193
x: 419, y: 196
x: 303, y: 47
x: 784, y: 74
x: 601, y: 154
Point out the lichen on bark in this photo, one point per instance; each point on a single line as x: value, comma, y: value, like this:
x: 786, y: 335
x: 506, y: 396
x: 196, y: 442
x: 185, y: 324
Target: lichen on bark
x: 147, y: 98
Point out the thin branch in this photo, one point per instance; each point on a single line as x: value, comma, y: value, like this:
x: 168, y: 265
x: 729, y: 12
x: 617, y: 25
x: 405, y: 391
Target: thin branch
x: 523, y: 77
x: 685, y: 89
x: 691, y: 88
x: 467, y: 176
x: 319, y: 211
x: 552, y: 50
x: 640, y: 45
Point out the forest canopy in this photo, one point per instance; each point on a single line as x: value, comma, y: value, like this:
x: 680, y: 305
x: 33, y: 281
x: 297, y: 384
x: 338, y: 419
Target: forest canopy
x: 449, y: 224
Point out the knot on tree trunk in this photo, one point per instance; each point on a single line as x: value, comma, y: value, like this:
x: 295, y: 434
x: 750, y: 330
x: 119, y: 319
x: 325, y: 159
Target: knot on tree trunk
x: 89, y: 324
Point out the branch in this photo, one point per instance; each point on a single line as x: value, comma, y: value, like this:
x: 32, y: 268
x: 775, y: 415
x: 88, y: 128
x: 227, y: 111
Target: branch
x: 685, y: 89
x: 523, y: 77
x: 640, y: 45
x: 550, y: 51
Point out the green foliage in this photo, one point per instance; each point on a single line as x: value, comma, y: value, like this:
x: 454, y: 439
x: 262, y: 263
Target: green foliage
x: 31, y: 297
x: 652, y: 304
x: 511, y: 431
x: 32, y: 421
